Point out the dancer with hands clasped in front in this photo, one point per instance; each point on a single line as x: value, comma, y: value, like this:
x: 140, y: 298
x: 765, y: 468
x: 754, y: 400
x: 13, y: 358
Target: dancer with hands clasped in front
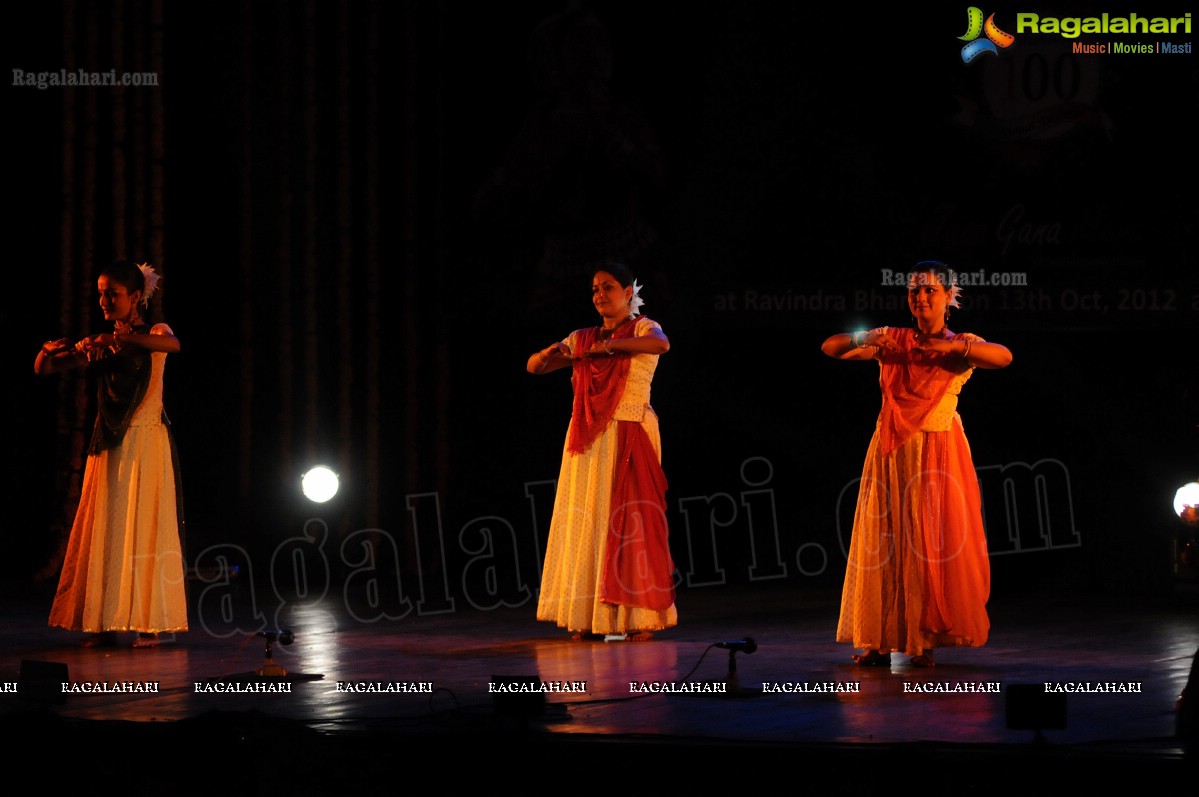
x: 918, y: 575
x: 608, y: 570
x: 123, y: 570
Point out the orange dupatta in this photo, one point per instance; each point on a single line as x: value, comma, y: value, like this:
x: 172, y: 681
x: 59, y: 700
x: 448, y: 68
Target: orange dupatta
x: 913, y: 383
x: 956, y: 567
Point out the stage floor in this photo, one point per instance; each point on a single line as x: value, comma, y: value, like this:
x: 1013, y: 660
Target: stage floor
x: 343, y: 704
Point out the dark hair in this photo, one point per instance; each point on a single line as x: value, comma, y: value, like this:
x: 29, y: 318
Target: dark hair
x: 622, y: 273
x: 944, y: 274
x: 127, y: 274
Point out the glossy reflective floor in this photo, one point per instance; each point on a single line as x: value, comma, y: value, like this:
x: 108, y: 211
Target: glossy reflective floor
x: 854, y: 731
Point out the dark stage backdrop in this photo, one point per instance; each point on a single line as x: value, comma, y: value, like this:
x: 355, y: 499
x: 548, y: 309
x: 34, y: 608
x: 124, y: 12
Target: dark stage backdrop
x: 369, y: 214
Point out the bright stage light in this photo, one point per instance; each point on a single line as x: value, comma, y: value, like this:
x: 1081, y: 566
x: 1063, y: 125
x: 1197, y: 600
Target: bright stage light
x: 319, y: 484
x: 1186, y: 503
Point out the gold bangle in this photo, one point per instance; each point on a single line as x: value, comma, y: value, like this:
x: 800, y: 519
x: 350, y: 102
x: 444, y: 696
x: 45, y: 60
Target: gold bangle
x: 966, y: 353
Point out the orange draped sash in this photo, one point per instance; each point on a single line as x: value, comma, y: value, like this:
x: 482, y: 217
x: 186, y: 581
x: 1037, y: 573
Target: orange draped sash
x: 957, y: 575
x: 957, y: 570
x: 913, y: 383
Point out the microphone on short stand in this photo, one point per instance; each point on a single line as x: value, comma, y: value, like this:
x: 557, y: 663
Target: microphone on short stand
x: 747, y: 645
x: 269, y: 668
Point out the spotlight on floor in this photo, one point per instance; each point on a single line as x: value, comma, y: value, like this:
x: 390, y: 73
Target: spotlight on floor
x: 1186, y: 503
x: 1186, y: 536
x: 319, y: 484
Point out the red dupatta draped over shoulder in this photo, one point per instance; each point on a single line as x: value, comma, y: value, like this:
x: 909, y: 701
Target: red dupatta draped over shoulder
x: 912, y: 383
x: 638, y: 570
x: 598, y: 386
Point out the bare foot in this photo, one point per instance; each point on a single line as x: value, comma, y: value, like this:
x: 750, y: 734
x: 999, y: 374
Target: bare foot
x: 104, y: 639
x: 146, y: 641
x: 925, y: 659
x: 872, y: 658
x: 640, y: 636
x: 585, y: 636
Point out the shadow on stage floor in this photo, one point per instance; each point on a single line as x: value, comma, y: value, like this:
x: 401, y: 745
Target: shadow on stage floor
x: 360, y: 705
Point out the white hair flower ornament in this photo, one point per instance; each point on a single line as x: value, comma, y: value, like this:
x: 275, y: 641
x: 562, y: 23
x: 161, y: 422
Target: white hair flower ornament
x: 152, y: 278
x: 636, y: 302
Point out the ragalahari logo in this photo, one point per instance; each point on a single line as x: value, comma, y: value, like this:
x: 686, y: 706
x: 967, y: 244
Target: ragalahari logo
x: 975, y: 27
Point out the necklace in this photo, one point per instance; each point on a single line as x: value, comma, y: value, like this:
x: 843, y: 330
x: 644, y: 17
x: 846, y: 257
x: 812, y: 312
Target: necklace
x: 605, y: 333
x: 126, y: 327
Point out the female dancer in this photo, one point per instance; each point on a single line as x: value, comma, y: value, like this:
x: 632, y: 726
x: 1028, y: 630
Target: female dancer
x: 918, y: 576
x: 608, y: 569
x: 123, y: 569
